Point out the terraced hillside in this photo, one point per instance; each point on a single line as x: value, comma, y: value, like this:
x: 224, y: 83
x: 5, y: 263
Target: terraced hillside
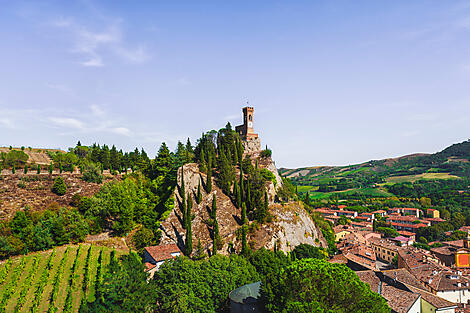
x: 36, y: 156
x: 372, y: 178
x: 52, y: 281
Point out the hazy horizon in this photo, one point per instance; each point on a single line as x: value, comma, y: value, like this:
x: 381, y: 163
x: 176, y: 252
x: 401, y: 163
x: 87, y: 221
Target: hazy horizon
x: 331, y: 83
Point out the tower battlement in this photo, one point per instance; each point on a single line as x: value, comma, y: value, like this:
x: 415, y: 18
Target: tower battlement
x: 245, y: 130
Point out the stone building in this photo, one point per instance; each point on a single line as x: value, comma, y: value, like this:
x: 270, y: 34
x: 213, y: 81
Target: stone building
x: 245, y: 130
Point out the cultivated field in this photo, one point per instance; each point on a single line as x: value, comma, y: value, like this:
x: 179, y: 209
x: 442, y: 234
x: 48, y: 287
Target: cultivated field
x: 52, y: 281
x: 413, y: 178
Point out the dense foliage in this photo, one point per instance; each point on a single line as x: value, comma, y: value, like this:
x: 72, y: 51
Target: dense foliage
x: 200, y: 286
x: 312, y: 285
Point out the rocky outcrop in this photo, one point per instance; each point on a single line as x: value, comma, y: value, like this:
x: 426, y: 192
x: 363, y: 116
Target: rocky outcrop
x: 290, y: 225
x: 227, y: 213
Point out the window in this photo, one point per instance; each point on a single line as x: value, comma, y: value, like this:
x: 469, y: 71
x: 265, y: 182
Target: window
x: 249, y: 117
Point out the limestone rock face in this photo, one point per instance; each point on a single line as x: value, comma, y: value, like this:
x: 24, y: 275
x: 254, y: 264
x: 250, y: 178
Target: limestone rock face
x: 290, y: 226
x: 252, y: 146
x: 227, y: 213
x: 293, y: 226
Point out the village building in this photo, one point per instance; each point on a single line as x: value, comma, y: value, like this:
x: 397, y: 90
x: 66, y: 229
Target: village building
x: 341, y: 231
x: 449, y: 284
x: 384, y: 249
x: 433, y: 213
x: 399, y: 299
x: 155, y: 256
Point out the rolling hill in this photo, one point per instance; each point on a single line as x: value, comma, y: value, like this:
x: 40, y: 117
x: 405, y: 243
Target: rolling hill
x: 371, y: 178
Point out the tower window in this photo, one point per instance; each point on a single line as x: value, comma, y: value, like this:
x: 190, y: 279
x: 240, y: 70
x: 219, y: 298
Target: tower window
x: 250, y: 117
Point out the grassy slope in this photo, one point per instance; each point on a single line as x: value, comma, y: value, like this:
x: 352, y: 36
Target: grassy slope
x: 76, y: 290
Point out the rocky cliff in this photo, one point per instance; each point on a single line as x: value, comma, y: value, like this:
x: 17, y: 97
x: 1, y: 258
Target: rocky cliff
x: 290, y: 225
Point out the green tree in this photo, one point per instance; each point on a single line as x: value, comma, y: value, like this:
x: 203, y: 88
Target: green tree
x: 199, y: 254
x: 262, y: 211
x: 313, y: 285
x: 142, y: 238
x: 199, y: 194
x: 189, y: 234
x: 304, y: 251
x: 182, y: 285
x: 13, y: 169
x: 59, y: 187
x: 39, y: 169
x: 124, y: 289
x: 92, y: 174
x: 26, y: 169
x: 209, y: 179
x: 51, y: 168
x: 243, y: 216
x: 245, y: 249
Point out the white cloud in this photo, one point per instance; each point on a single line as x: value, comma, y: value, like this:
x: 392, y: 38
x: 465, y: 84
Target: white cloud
x: 138, y: 55
x: 6, y: 122
x: 68, y: 122
x: 120, y: 131
x: 59, y: 87
x: 93, y: 45
x: 93, y: 62
x: 96, y: 110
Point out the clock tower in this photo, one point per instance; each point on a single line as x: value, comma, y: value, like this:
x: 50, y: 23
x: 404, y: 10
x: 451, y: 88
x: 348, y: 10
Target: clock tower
x: 246, y: 130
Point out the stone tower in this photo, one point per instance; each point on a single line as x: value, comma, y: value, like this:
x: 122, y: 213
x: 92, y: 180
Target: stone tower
x: 245, y: 130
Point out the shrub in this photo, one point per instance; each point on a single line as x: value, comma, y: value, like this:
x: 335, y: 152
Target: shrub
x: 92, y: 174
x: 267, y: 153
x: 59, y: 187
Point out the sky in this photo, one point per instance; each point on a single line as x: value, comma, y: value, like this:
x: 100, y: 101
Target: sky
x: 332, y: 82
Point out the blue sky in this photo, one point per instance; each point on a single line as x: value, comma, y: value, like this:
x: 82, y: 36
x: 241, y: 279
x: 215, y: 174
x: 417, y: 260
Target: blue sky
x: 332, y: 82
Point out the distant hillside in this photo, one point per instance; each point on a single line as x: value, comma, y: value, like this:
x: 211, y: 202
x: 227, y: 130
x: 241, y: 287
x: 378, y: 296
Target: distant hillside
x: 36, y: 156
x: 371, y: 177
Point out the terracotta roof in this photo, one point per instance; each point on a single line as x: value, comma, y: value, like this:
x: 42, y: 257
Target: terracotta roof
x: 446, y: 250
x: 402, y: 275
x: 149, y: 266
x: 406, y: 233
x: 434, y: 219
x: 455, y: 243
x: 339, y: 258
x: 436, y: 301
x: 388, y: 244
x: 399, y: 300
x: 162, y: 252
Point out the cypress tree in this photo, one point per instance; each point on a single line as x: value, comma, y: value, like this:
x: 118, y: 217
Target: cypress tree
x: 214, y: 245
x: 235, y: 195
x: 25, y: 169
x: 209, y: 179
x: 51, y: 168
x: 244, y: 245
x: 202, y: 160
x: 215, y: 228
x: 13, y: 169
x: 60, y: 168
x: 243, y: 213
x: 248, y: 197
x: 199, y: 194
x: 183, y: 199
x: 189, y: 233
x: 256, y: 164
x: 213, y: 214
x: 307, y: 199
x: 39, y: 169
x: 199, y: 255
x: 242, y: 189
x: 189, y: 207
